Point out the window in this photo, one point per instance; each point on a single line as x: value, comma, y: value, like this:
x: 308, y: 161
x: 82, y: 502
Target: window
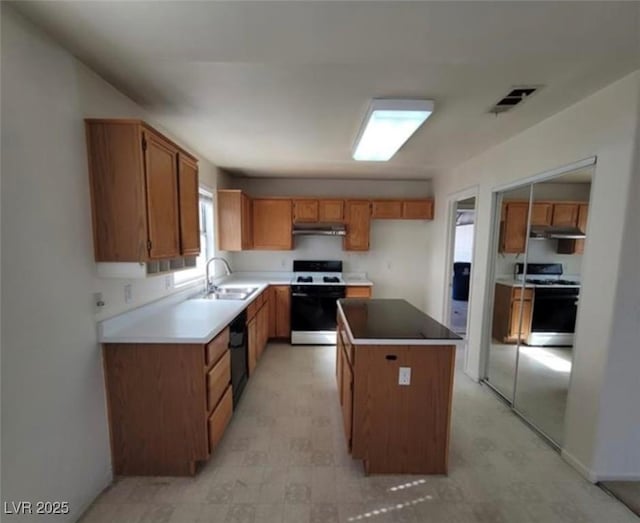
x: 206, y: 242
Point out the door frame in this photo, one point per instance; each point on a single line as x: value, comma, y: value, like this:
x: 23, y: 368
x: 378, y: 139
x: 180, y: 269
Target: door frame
x: 452, y: 206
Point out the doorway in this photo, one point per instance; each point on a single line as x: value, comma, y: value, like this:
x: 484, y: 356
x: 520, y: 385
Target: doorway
x: 458, y: 296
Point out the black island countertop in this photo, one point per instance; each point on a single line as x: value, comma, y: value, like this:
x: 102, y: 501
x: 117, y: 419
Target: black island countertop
x: 392, y: 322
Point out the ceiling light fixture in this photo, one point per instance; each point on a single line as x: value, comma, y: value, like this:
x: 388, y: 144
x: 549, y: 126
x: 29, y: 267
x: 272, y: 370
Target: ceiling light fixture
x: 387, y: 126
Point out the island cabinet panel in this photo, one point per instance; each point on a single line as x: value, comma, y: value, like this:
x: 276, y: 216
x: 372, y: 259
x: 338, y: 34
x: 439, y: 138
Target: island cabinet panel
x: 272, y: 224
x: 402, y: 429
x: 346, y: 399
x: 330, y: 211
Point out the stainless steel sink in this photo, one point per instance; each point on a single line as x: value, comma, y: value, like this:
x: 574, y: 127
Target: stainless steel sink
x: 228, y: 293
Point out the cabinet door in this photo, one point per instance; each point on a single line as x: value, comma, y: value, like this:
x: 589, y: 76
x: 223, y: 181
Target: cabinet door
x: 358, y: 217
x: 305, y: 210
x: 541, y: 214
x: 246, y: 226
x: 347, y: 399
x: 283, y: 311
x: 514, y: 324
x: 162, y: 197
x: 272, y: 223
x: 271, y: 296
x: 417, y: 209
x: 565, y: 214
x: 330, y: 211
x: 386, y: 209
x: 189, y: 206
x: 252, y: 334
x: 583, y: 214
x: 514, y: 228
x: 358, y: 291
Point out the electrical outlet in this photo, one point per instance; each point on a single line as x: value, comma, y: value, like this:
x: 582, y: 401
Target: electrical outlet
x: 404, y: 376
x: 98, y: 302
x: 128, y: 293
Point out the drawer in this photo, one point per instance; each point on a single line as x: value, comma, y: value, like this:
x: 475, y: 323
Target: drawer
x: 216, y: 347
x: 516, y: 292
x: 219, y: 419
x: 359, y: 291
x: 218, y: 379
x: 252, y: 308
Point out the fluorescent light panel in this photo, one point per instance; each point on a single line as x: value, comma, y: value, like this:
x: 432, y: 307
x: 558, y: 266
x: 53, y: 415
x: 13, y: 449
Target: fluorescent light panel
x: 388, y: 125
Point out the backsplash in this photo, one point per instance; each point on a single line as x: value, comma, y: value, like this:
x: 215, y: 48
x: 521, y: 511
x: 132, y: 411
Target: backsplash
x: 540, y: 251
x: 395, y: 262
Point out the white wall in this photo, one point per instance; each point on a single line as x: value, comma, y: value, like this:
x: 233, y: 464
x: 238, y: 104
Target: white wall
x: 603, y: 125
x: 463, y: 247
x: 395, y: 262
x: 55, y: 443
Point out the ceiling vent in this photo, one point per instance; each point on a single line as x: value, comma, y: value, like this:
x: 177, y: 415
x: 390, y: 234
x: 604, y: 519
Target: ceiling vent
x: 515, y: 97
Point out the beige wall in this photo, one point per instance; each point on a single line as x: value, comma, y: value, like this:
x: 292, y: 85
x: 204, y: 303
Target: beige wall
x: 602, y: 125
x: 395, y: 261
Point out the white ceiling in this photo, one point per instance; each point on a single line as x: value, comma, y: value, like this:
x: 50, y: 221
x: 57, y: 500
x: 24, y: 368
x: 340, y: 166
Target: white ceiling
x: 280, y: 88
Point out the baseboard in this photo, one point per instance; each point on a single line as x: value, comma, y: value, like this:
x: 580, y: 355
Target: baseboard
x: 619, y: 477
x: 584, y: 471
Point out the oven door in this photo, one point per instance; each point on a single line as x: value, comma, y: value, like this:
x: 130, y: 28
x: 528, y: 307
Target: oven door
x: 313, y: 313
x: 554, y: 317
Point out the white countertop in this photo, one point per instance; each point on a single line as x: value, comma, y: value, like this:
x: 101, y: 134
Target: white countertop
x: 193, y: 320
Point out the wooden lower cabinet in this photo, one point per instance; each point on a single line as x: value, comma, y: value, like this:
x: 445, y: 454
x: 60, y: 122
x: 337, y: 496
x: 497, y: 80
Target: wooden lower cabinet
x: 507, y: 307
x: 161, y: 399
x: 252, y: 347
x: 282, y: 312
x: 358, y: 291
x: 219, y: 419
x: 346, y: 397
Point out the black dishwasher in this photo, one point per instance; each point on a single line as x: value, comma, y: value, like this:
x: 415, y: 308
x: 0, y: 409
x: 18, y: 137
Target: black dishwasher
x: 238, y: 348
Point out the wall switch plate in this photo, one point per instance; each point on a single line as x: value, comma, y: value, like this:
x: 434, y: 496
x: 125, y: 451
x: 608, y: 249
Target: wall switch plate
x: 168, y: 281
x: 128, y: 293
x: 404, y: 376
x: 98, y: 302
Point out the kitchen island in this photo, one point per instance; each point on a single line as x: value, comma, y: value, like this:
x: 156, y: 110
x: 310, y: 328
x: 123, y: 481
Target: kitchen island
x: 394, y: 368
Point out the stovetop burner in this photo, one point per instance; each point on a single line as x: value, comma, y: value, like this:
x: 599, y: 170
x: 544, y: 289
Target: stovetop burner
x: 304, y: 279
x: 331, y: 279
x: 548, y: 281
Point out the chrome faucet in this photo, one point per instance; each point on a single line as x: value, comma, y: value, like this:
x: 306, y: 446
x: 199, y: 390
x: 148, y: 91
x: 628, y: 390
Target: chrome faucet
x: 207, y: 282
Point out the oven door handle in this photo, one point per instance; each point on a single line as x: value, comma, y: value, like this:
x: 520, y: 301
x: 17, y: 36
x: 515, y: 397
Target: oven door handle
x: 305, y: 295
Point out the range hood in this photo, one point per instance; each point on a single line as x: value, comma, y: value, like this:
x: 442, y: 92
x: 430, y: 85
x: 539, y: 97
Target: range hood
x: 556, y: 233
x: 319, y: 229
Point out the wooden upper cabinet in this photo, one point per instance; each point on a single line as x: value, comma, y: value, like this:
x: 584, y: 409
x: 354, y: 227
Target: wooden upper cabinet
x: 330, y: 211
x: 272, y: 224
x: 541, y: 214
x: 161, y: 160
x: 386, y: 209
x: 305, y: 211
x: 565, y: 214
x: 513, y: 229
x: 358, y: 218
x: 136, y: 211
x: 417, y: 209
x: 576, y: 246
x: 189, y: 206
x: 234, y: 223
